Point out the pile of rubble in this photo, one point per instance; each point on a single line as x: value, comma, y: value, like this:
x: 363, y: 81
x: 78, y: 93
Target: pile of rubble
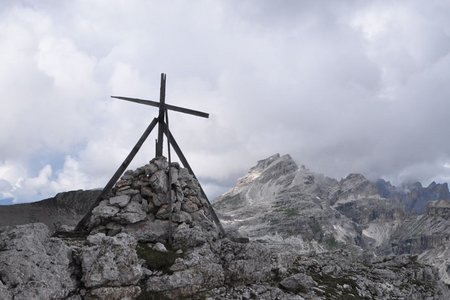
x: 139, y: 205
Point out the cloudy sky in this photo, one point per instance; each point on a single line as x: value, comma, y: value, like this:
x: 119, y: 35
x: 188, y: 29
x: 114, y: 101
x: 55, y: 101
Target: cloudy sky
x: 343, y: 86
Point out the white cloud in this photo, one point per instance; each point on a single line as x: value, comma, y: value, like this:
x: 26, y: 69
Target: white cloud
x: 18, y: 184
x: 344, y: 87
x: 69, y: 69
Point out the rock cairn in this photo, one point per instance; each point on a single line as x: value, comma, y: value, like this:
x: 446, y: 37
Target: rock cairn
x: 139, y: 205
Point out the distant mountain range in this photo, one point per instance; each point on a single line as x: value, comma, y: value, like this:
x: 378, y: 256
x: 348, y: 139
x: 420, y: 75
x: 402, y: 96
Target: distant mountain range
x: 279, y: 202
x: 413, y: 196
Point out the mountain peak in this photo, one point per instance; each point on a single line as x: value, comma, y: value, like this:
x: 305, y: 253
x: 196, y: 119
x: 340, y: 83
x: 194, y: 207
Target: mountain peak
x: 356, y: 183
x: 355, y: 176
x: 264, y: 163
x: 266, y: 169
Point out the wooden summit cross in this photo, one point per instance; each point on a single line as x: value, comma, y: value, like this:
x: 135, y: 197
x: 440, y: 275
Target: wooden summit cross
x: 163, y: 129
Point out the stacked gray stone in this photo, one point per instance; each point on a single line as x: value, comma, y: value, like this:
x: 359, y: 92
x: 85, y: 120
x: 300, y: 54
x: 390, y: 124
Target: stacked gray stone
x: 139, y: 205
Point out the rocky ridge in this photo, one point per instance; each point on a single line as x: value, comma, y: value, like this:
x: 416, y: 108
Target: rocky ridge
x: 65, y: 208
x: 427, y: 236
x: 278, y: 201
x: 127, y: 255
x: 413, y: 196
x: 298, y: 206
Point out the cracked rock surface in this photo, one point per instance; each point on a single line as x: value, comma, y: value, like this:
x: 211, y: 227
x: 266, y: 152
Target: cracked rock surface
x: 34, y: 265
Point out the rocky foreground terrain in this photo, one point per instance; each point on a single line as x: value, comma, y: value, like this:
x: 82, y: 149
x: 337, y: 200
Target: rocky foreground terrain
x: 310, y: 237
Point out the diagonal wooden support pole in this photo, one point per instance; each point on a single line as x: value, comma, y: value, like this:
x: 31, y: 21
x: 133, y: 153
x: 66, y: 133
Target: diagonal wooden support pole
x: 187, y: 166
x: 116, y: 176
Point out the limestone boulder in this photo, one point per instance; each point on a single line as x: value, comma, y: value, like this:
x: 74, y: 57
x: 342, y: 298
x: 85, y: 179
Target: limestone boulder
x: 160, y: 247
x: 198, y: 272
x: 189, y: 206
x: 110, y: 261
x: 34, y: 265
x: 298, y: 283
x: 185, y: 236
x: 150, y: 168
x: 182, y: 217
x: 160, y: 162
x: 132, y: 213
x: 120, y: 201
x: 105, y: 211
x: 158, y: 181
x: 149, y: 231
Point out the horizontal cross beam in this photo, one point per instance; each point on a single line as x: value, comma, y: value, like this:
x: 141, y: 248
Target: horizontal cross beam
x: 166, y: 106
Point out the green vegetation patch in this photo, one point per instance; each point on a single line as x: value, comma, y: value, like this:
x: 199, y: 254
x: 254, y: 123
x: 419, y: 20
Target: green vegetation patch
x: 150, y: 295
x: 331, y: 242
x: 291, y: 212
x: 331, y: 286
x: 81, y: 235
x: 156, y: 260
x: 316, y: 229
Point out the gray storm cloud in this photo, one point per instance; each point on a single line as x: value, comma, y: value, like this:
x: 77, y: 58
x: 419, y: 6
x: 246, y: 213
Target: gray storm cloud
x: 343, y: 86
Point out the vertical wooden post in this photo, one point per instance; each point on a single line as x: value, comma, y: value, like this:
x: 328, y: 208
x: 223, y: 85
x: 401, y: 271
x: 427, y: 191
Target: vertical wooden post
x: 169, y: 185
x: 162, y: 100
